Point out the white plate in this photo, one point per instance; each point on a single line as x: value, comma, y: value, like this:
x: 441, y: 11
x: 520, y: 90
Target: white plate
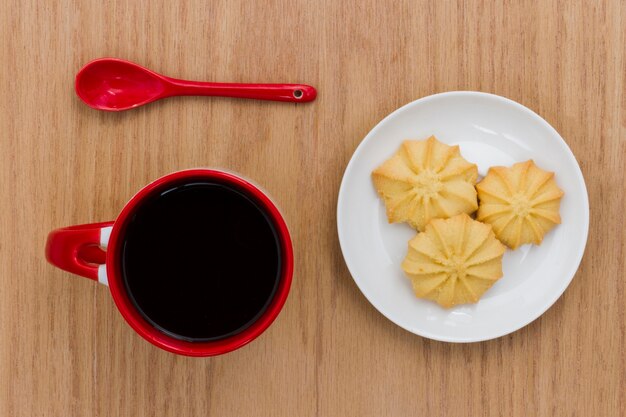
x: 490, y: 130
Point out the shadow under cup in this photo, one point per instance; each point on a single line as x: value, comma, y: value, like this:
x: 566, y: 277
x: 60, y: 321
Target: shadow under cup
x: 200, y: 258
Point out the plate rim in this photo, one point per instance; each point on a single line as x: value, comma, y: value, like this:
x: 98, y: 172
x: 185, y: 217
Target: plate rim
x: 567, y: 151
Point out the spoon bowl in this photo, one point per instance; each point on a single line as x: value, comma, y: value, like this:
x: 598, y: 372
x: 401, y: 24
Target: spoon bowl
x: 113, y: 84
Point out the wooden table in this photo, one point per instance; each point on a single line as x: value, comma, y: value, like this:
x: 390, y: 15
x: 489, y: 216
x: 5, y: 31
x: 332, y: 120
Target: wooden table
x: 66, y: 351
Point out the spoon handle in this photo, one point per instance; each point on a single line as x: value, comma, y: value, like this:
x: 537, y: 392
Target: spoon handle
x: 276, y: 92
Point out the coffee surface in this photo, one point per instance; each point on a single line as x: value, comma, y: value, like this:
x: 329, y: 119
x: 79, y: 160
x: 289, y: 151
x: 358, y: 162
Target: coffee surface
x: 201, y: 260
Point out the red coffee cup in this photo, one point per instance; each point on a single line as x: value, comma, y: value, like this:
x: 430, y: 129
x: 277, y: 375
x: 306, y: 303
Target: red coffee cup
x: 94, y: 251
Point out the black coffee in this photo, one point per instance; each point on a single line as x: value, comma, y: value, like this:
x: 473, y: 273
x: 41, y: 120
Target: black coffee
x: 201, y: 260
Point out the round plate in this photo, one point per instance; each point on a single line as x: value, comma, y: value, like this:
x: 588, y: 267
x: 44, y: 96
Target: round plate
x: 490, y: 130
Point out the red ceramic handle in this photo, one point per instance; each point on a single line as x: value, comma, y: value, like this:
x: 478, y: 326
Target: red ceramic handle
x: 77, y: 249
x: 296, y: 93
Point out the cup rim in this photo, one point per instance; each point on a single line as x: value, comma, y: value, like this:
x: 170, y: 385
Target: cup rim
x: 207, y: 348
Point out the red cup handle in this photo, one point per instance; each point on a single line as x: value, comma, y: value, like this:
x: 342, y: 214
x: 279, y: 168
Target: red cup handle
x: 79, y: 249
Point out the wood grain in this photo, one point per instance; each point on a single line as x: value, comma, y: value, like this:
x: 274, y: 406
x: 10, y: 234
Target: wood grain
x: 66, y: 351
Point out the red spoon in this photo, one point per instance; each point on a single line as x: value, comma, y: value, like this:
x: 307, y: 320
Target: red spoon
x: 115, y: 84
